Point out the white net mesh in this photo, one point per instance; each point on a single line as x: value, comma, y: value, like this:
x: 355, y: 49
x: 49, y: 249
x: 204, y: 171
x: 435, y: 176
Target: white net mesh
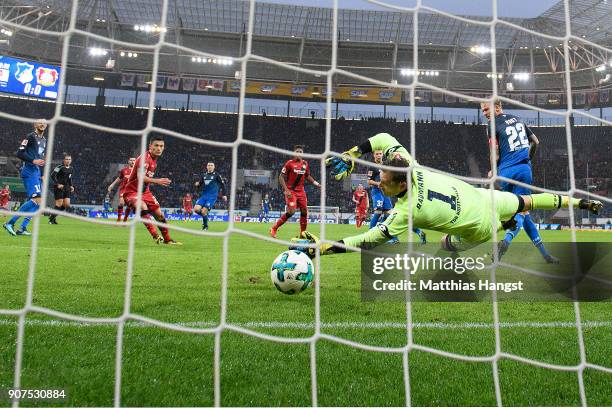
x: 319, y: 333
x: 324, y: 213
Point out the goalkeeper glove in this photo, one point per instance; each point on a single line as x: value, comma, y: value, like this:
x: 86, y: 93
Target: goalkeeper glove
x: 342, y: 167
x: 299, y: 244
x: 309, y: 238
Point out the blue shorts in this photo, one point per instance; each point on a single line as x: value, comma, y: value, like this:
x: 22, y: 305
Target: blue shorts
x: 32, y: 185
x: 519, y: 172
x: 381, y: 202
x: 266, y: 210
x: 106, y: 207
x: 207, y: 201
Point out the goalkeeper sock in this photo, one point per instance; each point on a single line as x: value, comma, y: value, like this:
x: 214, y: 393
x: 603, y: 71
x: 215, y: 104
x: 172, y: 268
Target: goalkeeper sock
x: 150, y: 227
x: 303, y: 221
x: 283, y: 219
x: 549, y: 201
x: 374, y: 220
x: 119, y: 212
x: 511, y: 234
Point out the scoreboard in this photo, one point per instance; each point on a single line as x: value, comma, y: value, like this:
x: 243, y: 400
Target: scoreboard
x: 28, y: 78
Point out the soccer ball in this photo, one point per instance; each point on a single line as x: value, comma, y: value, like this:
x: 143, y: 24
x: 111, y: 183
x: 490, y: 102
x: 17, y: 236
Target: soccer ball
x: 292, y: 272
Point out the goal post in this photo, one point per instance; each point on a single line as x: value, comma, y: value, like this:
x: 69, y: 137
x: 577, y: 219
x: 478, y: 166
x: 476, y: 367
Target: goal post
x: 331, y: 214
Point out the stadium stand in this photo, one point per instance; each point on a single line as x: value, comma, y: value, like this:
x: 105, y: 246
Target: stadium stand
x: 437, y: 145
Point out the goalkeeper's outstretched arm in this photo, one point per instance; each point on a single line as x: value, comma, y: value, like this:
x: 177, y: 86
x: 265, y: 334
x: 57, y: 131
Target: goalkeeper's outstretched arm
x: 395, y: 225
x: 342, y: 167
x: 368, y: 239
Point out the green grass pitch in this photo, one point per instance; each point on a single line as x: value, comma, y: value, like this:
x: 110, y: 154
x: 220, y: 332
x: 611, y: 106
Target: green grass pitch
x: 81, y: 270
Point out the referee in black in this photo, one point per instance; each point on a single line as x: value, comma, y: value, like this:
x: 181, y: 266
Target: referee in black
x: 61, y: 177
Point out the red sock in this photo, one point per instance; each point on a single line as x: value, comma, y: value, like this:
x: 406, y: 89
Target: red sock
x: 281, y: 221
x: 303, y: 221
x: 128, y: 209
x: 165, y: 234
x: 150, y: 226
x: 358, y: 221
x: 119, y: 213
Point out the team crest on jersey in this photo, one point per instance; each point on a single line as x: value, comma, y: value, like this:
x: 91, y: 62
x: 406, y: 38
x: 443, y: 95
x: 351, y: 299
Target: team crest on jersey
x: 24, y: 72
x: 46, y: 76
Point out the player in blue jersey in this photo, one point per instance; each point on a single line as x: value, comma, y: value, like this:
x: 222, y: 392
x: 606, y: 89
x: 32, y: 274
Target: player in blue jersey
x: 212, y: 184
x: 516, y: 146
x: 32, y: 153
x: 266, y: 207
x: 106, y: 206
x: 382, y: 204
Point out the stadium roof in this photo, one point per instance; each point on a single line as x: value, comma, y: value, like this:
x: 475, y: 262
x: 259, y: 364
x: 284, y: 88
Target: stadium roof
x: 589, y: 18
x: 375, y: 44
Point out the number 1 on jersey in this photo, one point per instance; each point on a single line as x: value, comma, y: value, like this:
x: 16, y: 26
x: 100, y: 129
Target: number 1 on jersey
x: 450, y: 200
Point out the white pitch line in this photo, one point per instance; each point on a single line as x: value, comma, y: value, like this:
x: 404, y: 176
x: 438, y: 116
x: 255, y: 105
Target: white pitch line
x: 328, y: 325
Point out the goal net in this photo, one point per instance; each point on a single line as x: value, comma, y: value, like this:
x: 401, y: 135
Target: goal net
x: 331, y: 215
x: 157, y: 48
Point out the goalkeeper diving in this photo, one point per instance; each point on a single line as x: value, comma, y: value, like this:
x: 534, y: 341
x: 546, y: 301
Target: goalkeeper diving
x: 438, y: 202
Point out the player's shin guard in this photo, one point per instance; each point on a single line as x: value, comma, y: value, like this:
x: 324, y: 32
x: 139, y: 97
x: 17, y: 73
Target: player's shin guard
x: 283, y: 219
x: 374, y: 220
x: 511, y: 234
x: 150, y: 227
x: 119, y: 212
x: 205, y: 220
x: 303, y: 221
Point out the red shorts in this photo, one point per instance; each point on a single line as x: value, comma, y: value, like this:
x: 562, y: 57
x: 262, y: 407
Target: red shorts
x: 361, y: 212
x: 147, y: 197
x: 298, y: 200
x: 188, y: 209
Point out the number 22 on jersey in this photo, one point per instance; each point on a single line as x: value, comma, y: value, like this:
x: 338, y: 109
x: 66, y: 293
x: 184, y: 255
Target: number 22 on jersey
x: 517, y: 137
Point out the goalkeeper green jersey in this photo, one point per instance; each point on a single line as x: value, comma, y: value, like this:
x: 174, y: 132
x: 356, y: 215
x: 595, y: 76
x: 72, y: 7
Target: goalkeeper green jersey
x: 440, y: 203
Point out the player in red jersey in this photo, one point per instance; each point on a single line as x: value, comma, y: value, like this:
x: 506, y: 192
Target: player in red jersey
x: 362, y: 202
x: 122, y: 179
x: 187, y: 206
x: 291, y: 179
x: 149, y: 204
x: 5, y: 197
